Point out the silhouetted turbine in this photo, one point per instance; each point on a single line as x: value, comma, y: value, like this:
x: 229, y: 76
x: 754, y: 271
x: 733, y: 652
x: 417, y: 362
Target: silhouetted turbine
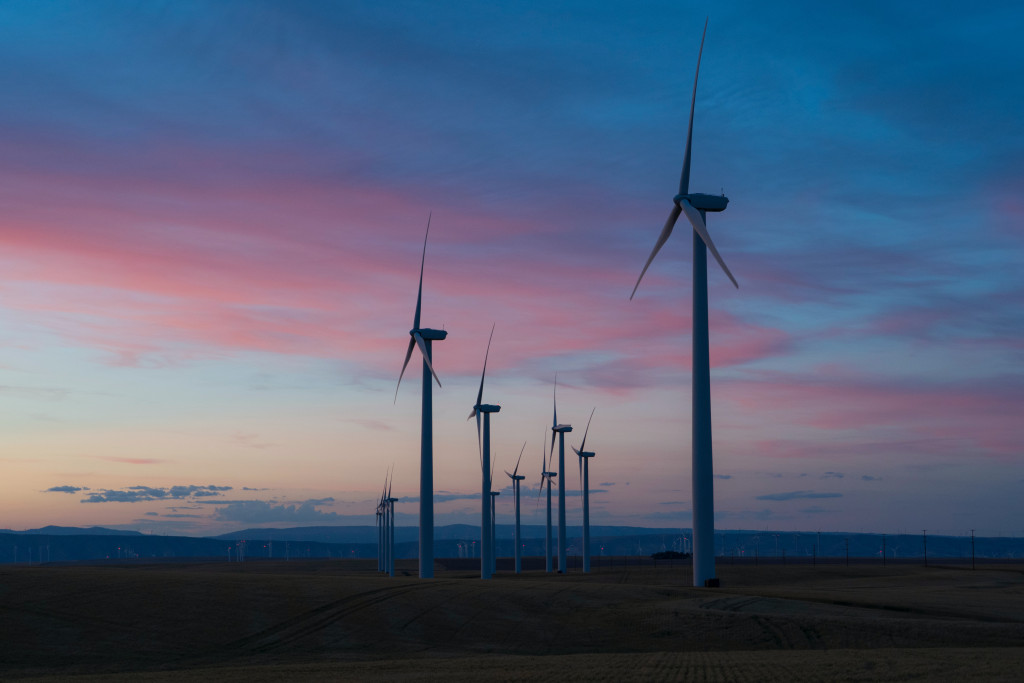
x: 560, y: 431
x: 696, y: 206
x: 584, y: 458
x: 486, y: 470
x: 423, y: 337
x: 516, y: 478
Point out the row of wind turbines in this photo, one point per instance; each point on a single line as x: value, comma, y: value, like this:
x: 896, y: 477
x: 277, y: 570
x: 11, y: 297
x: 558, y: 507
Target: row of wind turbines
x: 695, y: 206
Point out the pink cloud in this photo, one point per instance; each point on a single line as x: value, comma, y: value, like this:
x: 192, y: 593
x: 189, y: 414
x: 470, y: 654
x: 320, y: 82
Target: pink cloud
x: 971, y: 416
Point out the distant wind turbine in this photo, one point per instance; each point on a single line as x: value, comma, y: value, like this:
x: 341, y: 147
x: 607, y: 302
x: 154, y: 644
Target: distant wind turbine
x: 516, y: 478
x: 560, y: 431
x: 380, y: 527
x: 391, y: 531
x: 696, y: 206
x: 585, y: 457
x: 423, y: 338
x: 484, y: 444
x: 545, y: 478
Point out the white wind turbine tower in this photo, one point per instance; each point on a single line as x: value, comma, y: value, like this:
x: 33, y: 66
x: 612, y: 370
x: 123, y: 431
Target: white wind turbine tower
x: 696, y: 206
x: 516, y: 478
x: 423, y: 337
x: 484, y: 444
x: 560, y: 431
x: 545, y: 478
x: 585, y: 457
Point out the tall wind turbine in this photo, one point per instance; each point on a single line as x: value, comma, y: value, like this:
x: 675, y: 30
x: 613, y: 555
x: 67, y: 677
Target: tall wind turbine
x: 516, y: 478
x: 423, y: 337
x: 545, y: 478
x: 560, y: 431
x: 696, y: 206
x: 585, y: 457
x: 484, y: 444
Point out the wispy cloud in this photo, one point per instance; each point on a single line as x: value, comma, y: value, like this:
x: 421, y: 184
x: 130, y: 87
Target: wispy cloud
x: 259, y: 512
x: 795, y: 495
x: 131, y: 461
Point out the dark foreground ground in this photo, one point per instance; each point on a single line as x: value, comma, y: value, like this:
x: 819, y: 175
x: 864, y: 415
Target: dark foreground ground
x: 339, y: 620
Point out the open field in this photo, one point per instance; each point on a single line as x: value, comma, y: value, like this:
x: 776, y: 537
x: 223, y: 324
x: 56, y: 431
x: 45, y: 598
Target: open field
x: 337, y: 620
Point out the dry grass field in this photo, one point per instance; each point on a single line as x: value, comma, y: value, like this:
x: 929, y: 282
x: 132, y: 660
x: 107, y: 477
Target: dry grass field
x: 338, y: 620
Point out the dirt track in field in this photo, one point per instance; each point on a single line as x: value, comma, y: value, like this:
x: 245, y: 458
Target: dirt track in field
x: 329, y: 620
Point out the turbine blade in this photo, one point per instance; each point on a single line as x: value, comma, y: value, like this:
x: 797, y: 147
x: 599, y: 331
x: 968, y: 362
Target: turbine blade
x: 516, y: 470
x: 583, y: 446
x: 480, y: 394
x: 697, y: 221
x: 554, y: 403
x: 426, y: 356
x: 684, y: 177
x: 419, y: 293
x: 408, y: 355
x: 662, y: 238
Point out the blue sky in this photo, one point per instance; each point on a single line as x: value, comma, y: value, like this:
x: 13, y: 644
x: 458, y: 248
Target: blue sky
x: 211, y: 217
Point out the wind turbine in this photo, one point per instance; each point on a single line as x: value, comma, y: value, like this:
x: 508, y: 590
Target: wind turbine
x: 696, y: 206
x: 584, y: 457
x: 545, y: 477
x: 423, y: 338
x: 516, y: 478
x: 560, y: 431
x: 391, y: 531
x: 380, y: 528
x: 484, y: 444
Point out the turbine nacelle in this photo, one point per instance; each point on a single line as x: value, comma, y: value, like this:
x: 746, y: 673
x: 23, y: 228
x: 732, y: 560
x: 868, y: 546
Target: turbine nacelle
x: 703, y: 202
x: 584, y: 454
x: 562, y: 429
x: 484, y: 408
x: 427, y: 333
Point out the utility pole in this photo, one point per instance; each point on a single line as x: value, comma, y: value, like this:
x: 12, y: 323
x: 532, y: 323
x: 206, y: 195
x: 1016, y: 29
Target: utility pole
x: 972, y: 548
x: 847, y: 551
x: 924, y: 534
x: 883, y: 550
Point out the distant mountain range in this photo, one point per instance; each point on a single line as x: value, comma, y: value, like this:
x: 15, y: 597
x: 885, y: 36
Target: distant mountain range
x: 405, y: 534
x: 70, y: 544
x: 72, y: 531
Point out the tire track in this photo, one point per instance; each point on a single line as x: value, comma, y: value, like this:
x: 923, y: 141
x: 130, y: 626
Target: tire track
x: 319, y: 618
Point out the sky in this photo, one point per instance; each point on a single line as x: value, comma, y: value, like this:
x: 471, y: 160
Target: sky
x: 212, y: 216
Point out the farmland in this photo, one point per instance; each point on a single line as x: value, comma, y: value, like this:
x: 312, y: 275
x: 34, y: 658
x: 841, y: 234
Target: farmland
x: 325, y: 620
